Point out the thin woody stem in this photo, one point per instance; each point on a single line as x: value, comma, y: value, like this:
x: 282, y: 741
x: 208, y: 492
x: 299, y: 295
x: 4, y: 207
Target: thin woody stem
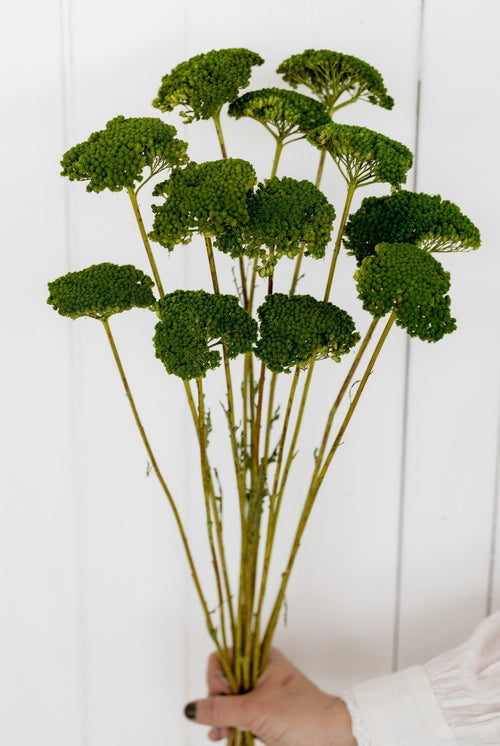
x: 312, y: 493
x: 227, y: 371
x: 220, y: 136
x: 344, y: 388
x: 145, y: 240
x: 277, y: 155
x: 321, y: 165
x: 322, y: 473
x: 211, y: 263
x: 350, y: 192
x: 338, y: 242
x: 274, y: 509
x: 213, y: 634
x: 296, y: 431
x: 213, y: 518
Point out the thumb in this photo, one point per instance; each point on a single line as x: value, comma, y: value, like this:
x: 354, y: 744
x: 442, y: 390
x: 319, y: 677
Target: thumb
x: 220, y: 711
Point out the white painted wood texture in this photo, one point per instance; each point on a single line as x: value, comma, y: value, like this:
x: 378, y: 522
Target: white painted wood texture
x: 102, y: 640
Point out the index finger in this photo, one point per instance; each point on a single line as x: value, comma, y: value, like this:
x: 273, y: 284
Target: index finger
x: 217, y: 682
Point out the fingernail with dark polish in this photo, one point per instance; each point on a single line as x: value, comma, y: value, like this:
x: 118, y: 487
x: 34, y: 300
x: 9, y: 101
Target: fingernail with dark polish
x: 190, y: 710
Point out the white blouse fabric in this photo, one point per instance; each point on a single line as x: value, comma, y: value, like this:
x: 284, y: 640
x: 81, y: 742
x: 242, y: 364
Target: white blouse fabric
x: 453, y: 700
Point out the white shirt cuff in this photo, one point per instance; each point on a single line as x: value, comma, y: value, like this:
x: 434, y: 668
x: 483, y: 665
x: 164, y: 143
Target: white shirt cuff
x: 398, y: 710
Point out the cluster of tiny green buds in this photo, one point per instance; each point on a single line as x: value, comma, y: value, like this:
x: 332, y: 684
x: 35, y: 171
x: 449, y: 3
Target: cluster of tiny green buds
x: 205, y: 82
x: 408, y: 217
x: 362, y: 155
x: 336, y: 79
x: 100, y: 291
x: 285, y: 216
x: 408, y: 280
x: 208, y: 198
x: 284, y: 113
x: 114, y: 158
x: 192, y: 322
x: 297, y: 329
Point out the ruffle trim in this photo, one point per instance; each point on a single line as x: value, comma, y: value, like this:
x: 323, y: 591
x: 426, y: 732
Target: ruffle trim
x: 358, y: 730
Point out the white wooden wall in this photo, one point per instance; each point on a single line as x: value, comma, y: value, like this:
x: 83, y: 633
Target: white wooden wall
x: 101, y: 638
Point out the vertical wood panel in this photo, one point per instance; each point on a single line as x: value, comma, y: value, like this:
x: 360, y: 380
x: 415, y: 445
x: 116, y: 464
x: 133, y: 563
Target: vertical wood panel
x: 135, y: 572
x: 39, y: 676
x: 453, y: 410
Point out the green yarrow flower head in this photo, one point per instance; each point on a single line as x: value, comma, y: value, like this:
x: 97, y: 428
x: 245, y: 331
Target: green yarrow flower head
x: 429, y: 222
x: 208, y: 198
x: 408, y: 280
x: 115, y: 158
x: 297, y: 329
x: 192, y: 322
x: 336, y: 79
x: 362, y: 155
x: 284, y: 216
x: 205, y: 82
x: 100, y: 291
x: 284, y: 113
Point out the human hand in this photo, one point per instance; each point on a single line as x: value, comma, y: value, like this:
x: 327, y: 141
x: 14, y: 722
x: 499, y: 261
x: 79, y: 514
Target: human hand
x: 284, y: 709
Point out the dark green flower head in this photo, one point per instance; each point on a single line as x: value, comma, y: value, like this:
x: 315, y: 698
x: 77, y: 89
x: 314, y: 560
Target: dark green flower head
x: 115, y: 158
x: 100, y: 291
x: 427, y: 221
x: 362, y: 155
x: 208, y: 198
x: 285, y: 113
x: 192, y: 322
x: 297, y: 329
x: 411, y: 282
x: 285, y: 216
x: 204, y: 83
x: 336, y: 79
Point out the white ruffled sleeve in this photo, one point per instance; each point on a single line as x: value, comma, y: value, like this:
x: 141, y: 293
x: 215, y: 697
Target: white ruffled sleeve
x: 454, y: 700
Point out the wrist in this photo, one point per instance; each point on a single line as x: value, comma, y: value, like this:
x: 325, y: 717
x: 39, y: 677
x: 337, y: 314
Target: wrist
x: 340, y: 731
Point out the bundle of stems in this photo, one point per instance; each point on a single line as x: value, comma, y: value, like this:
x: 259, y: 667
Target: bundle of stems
x: 264, y: 434
x: 242, y: 636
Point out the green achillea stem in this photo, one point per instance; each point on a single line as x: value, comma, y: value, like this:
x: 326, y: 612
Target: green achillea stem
x: 240, y: 738
x: 199, y: 420
x: 213, y: 518
x: 321, y: 165
x: 274, y: 508
x: 211, y: 263
x: 220, y: 136
x: 258, y: 422
x: 270, y: 417
x: 192, y: 405
x: 298, y: 424
x: 296, y: 274
x: 145, y: 240
x: 278, y: 491
x: 227, y: 370
x: 300, y: 256
x: 244, y: 289
x: 343, y: 390
x: 313, y: 491
x: 277, y: 155
x: 350, y: 193
x: 276, y: 499
x: 213, y: 633
x: 345, y: 214
x: 355, y: 399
